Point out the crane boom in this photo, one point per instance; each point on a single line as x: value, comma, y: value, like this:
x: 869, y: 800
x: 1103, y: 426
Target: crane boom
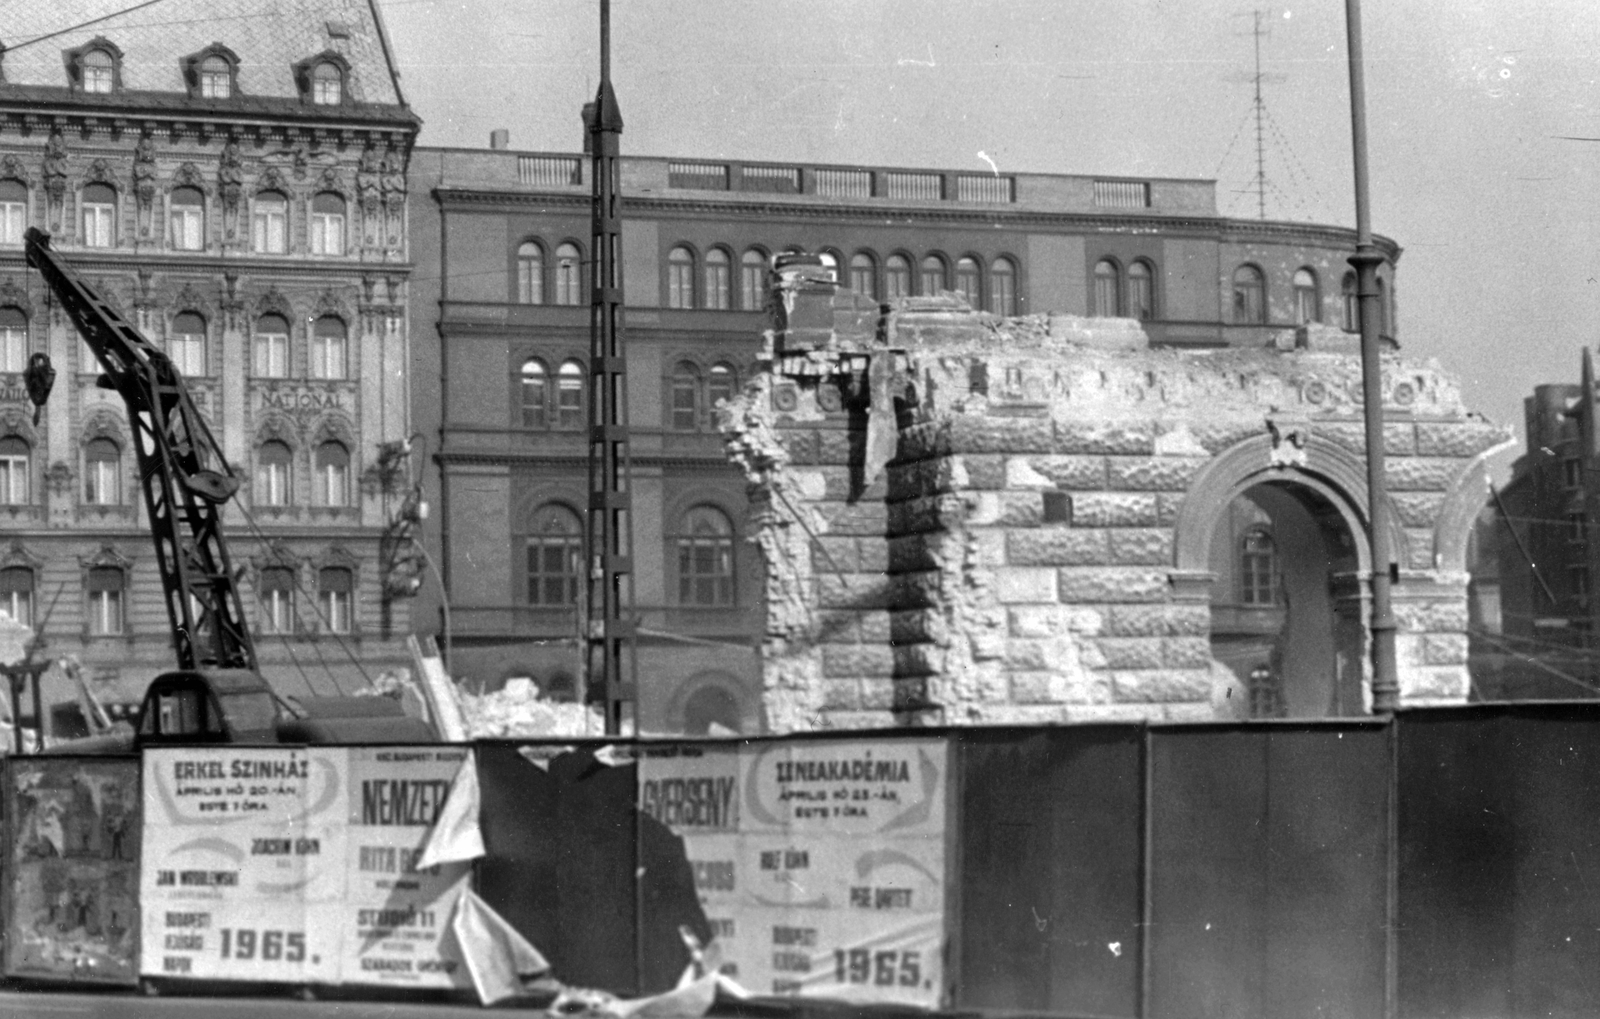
x: 182, y: 470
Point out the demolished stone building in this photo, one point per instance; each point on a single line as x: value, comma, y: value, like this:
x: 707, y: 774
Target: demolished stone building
x: 969, y: 519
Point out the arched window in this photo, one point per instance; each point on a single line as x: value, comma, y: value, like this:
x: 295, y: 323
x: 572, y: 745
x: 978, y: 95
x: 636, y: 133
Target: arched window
x: 569, y: 275
x: 710, y: 706
x: 753, y: 280
x: 277, y: 599
x: 896, y: 277
x: 99, y: 70
x: 685, y: 399
x: 186, y: 345
x: 216, y: 78
x: 1141, y: 291
x: 569, y: 395
x: 1307, y: 301
x: 721, y: 385
x: 103, y: 588
x: 864, y: 275
x: 335, y: 598
x: 14, y: 455
x: 269, y: 224
x: 187, y: 213
x: 932, y: 279
x: 1003, y: 287
x: 273, y: 460
x: 680, y: 278
x: 13, y: 340
x: 13, y: 211
x: 327, y: 84
x: 716, y: 292
x: 830, y: 262
x: 327, y: 224
x: 1249, y: 296
x: 328, y: 354
x: 705, y: 558
x: 331, y: 484
x: 554, y: 557
x: 1107, y: 289
x: 1351, y: 303
x: 1258, y: 568
x: 16, y: 594
x: 530, y: 273
x: 99, y: 216
x: 102, y: 473
x: 535, y: 393
x: 969, y: 281
x: 272, y: 347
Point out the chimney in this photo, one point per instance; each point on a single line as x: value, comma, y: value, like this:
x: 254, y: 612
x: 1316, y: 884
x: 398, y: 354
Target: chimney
x: 500, y: 138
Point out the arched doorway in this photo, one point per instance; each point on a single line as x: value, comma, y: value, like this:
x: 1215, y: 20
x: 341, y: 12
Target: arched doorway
x: 1285, y: 602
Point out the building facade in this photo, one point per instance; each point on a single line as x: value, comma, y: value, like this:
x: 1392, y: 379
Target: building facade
x: 235, y: 187
x: 1537, y: 555
x: 499, y: 359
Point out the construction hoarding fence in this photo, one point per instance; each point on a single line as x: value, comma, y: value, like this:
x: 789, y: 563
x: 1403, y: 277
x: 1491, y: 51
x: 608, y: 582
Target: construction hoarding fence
x: 71, y: 868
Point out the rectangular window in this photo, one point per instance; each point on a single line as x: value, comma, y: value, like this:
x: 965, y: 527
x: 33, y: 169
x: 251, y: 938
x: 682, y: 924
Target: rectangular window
x: 188, y: 353
x: 13, y: 348
x: 269, y: 227
x: 327, y: 233
x: 13, y: 480
x: 272, y: 355
x: 16, y: 594
x: 277, y: 612
x: 100, y: 486
x: 331, y: 484
x: 105, y: 608
x: 1577, y: 526
x: 569, y: 403
x: 97, y: 224
x: 13, y: 222
x: 752, y: 285
x: 680, y: 285
x: 334, y: 598
x: 1572, y: 472
x: 186, y: 224
x: 327, y: 357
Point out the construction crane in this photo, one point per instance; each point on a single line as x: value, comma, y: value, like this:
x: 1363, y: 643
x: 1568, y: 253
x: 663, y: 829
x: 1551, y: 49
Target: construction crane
x: 217, y: 693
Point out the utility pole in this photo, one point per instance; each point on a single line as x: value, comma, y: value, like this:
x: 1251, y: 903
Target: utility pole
x: 1385, y: 674
x: 609, y: 652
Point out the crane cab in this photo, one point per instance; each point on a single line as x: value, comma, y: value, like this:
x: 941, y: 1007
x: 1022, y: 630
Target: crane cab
x: 218, y: 706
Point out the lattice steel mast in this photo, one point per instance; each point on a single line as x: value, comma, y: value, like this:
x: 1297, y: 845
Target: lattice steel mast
x: 610, y: 658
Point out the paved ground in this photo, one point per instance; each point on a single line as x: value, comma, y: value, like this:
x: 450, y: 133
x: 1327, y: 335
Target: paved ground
x: 53, y: 1005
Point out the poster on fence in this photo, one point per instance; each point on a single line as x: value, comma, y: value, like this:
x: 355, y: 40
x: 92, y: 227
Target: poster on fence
x: 820, y: 863
x: 244, y: 862
x: 395, y: 918
x: 72, y: 869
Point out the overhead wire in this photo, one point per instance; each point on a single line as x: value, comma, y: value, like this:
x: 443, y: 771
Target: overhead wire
x: 92, y: 21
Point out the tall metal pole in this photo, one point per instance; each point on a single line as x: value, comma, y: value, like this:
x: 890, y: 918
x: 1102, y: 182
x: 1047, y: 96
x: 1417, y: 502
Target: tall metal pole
x: 610, y: 659
x: 1385, y: 677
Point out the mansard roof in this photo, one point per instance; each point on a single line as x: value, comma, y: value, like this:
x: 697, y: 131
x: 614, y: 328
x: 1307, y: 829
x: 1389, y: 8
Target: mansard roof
x: 270, y: 37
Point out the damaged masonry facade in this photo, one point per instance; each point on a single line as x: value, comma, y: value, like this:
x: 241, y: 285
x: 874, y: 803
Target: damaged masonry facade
x: 974, y: 520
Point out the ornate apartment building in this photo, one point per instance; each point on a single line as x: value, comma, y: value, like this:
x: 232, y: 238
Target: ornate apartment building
x: 499, y: 372
x: 233, y: 181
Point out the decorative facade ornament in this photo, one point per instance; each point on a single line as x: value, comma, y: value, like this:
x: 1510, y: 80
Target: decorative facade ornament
x: 189, y: 298
x: 13, y: 296
x: 272, y: 179
x: 369, y: 181
x: 108, y: 555
x: 277, y: 428
x: 274, y: 303
x: 100, y: 172
x: 275, y: 553
x: 333, y: 427
x: 144, y: 180
x: 188, y: 175
x: 301, y: 161
x: 331, y: 180
x: 59, y: 477
x: 55, y: 168
x: 104, y: 424
x: 336, y: 556
x: 329, y: 303
x: 17, y: 555
x: 13, y: 422
x: 232, y: 303
x: 13, y: 168
x: 230, y: 182
x: 1289, y: 437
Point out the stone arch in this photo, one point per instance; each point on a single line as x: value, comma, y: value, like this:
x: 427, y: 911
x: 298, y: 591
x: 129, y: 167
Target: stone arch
x: 278, y: 428
x: 703, y: 691
x: 334, y: 427
x: 1315, y: 461
x: 1459, y: 513
x: 105, y: 423
x: 13, y: 296
x: 13, y: 422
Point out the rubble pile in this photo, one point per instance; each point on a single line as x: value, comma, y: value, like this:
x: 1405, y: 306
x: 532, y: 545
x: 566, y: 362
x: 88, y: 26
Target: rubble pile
x: 518, y: 710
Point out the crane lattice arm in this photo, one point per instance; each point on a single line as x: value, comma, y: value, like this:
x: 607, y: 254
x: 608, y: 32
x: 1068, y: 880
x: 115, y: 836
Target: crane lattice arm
x: 181, y: 469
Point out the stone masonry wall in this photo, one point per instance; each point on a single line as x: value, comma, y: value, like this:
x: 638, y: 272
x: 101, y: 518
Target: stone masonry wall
x: 969, y: 520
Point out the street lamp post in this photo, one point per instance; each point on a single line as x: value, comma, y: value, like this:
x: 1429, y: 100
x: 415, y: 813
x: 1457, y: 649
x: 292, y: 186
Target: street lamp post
x: 1381, y: 625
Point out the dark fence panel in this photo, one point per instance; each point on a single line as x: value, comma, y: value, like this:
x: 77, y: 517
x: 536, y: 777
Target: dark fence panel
x: 1500, y: 861
x: 1049, y: 881
x: 1269, y: 871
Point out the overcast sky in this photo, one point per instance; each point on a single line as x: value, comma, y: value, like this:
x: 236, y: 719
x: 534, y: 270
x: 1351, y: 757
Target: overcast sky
x: 1468, y: 101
